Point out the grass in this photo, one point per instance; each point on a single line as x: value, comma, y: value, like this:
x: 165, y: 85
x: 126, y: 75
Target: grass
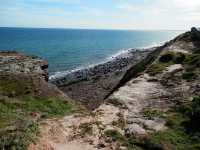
x: 116, y: 136
x: 153, y: 113
x: 21, y: 137
x: 12, y: 86
x: 164, y: 61
x: 191, y: 63
x: 193, y: 59
x: 17, y: 118
x: 21, y: 111
x: 183, y: 132
x: 157, y: 68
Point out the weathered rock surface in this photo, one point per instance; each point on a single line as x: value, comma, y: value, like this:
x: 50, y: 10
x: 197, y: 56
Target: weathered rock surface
x: 14, y: 62
x: 154, y: 93
x: 24, y: 67
x: 196, y: 32
x: 90, y: 86
x: 135, y: 106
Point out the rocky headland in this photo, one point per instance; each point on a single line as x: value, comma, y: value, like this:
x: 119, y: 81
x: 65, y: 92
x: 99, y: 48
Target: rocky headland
x: 145, y: 100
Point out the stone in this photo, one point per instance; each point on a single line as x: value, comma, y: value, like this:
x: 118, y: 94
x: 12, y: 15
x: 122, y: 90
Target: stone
x: 14, y: 62
x: 195, y: 32
x: 135, y: 130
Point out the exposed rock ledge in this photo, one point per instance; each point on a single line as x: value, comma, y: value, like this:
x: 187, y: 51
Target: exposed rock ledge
x: 124, y: 111
x: 14, y: 62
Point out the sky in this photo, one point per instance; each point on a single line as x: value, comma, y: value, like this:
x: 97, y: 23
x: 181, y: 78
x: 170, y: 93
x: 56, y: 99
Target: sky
x: 101, y: 14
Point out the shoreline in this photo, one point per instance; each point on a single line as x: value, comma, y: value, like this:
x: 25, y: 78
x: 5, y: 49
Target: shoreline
x: 91, y: 85
x: 110, y: 58
x: 120, y: 57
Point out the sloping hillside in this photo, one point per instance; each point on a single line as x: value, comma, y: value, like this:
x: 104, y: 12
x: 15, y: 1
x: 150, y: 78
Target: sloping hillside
x: 154, y: 106
x: 26, y: 99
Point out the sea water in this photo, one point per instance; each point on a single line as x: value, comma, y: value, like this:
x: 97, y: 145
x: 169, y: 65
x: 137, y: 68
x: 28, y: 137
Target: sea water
x: 68, y: 49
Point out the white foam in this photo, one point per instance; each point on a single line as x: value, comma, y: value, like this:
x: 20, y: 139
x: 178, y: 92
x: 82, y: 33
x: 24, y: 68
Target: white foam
x: 123, y: 53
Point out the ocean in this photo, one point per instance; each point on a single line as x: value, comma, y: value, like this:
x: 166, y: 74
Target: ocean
x: 68, y: 49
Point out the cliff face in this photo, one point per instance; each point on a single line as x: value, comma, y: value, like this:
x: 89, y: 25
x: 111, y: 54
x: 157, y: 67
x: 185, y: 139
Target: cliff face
x: 91, y: 86
x: 13, y: 62
x: 151, y: 98
x: 26, y: 98
x: 155, y: 105
x: 186, y: 42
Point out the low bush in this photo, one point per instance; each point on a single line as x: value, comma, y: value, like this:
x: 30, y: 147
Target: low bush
x: 152, y: 113
x: 189, y: 76
x: 21, y: 111
x: 184, y: 128
x: 155, y: 69
x: 167, y: 57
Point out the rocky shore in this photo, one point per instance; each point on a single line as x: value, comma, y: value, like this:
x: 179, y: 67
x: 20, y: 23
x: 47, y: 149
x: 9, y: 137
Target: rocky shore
x: 146, y: 100
x: 153, y: 106
x: 91, y: 85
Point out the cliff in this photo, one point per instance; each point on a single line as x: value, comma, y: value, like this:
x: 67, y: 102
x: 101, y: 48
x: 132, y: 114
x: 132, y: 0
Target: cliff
x: 148, y: 100
x: 26, y: 98
x: 90, y: 86
x: 154, y: 104
x: 13, y: 62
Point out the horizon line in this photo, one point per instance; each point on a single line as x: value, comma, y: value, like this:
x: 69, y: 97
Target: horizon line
x: 82, y: 28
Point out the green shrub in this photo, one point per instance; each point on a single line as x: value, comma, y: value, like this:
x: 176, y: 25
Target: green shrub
x: 193, y: 112
x: 15, y: 86
x: 167, y: 57
x: 174, y: 139
x: 173, y: 57
x: 155, y: 69
x: 189, y: 76
x: 175, y: 120
x: 152, y: 113
x: 180, y: 58
x: 17, y: 128
x: 193, y: 59
x: 115, y: 136
x: 21, y: 137
x: 184, y: 128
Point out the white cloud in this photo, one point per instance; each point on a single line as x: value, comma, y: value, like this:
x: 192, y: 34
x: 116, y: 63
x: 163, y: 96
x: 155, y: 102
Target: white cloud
x: 128, y: 7
x: 129, y: 14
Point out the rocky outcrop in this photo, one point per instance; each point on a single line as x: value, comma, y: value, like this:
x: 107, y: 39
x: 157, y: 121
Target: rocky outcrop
x: 139, y: 93
x: 25, y: 67
x: 196, y: 32
x: 14, y: 62
x: 142, y: 89
x: 91, y: 85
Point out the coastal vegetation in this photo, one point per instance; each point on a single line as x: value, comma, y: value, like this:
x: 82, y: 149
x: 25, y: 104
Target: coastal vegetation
x: 159, y: 111
x: 21, y: 111
x: 190, y: 61
x: 183, y: 128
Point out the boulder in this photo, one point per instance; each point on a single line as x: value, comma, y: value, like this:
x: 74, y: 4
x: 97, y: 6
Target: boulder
x: 195, y: 33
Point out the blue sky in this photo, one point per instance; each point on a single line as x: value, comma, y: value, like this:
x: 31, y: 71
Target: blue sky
x: 101, y: 14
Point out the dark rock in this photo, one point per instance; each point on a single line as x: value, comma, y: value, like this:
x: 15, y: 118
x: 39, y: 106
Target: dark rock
x: 195, y: 33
